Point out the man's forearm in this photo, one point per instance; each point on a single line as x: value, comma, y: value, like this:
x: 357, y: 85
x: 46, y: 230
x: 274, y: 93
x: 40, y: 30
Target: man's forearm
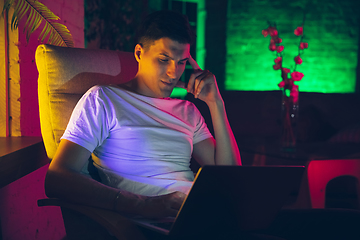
x: 78, y: 188
x: 226, y: 149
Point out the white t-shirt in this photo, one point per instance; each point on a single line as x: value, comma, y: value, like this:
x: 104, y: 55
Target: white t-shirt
x: 139, y: 144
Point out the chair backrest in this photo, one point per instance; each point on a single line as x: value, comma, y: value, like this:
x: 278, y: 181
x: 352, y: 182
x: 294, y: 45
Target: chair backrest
x: 320, y: 172
x: 65, y: 74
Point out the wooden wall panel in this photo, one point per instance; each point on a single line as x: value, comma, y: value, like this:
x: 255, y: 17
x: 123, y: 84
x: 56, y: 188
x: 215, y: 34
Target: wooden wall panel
x: 3, y: 85
x: 14, y: 82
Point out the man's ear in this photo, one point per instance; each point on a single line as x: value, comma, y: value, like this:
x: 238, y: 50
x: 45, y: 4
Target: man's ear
x: 138, y: 52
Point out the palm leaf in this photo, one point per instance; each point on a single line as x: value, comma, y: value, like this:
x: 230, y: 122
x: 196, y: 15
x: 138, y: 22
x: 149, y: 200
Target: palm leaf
x: 53, y: 32
x: 58, y: 34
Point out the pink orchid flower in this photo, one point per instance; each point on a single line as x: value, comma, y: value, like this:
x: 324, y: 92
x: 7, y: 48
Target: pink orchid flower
x: 279, y: 48
x: 298, y: 60
x: 281, y: 84
x: 278, y: 63
x: 286, y: 70
x: 297, y: 76
x: 273, y: 33
x: 270, y: 30
x: 298, y: 31
x: 272, y: 47
x: 303, y: 45
x: 265, y: 32
x: 275, y: 40
x: 278, y: 60
x: 277, y: 66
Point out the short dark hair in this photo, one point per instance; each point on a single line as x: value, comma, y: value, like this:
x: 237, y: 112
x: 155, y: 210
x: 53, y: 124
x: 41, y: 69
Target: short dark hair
x: 165, y: 23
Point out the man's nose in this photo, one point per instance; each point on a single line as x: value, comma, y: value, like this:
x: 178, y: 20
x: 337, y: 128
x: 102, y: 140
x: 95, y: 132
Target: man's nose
x: 171, y: 70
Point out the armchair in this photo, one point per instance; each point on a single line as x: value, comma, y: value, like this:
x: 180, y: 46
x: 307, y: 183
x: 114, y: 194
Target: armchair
x: 65, y: 74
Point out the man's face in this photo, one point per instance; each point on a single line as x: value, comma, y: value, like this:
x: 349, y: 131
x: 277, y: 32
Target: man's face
x: 160, y: 67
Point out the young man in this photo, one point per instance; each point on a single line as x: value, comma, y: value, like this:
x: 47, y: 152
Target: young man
x: 141, y: 141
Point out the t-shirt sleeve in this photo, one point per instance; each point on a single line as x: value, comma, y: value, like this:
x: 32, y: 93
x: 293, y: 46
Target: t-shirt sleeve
x: 88, y: 125
x: 201, y: 131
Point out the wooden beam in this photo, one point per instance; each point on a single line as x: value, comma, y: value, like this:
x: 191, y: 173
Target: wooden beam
x: 14, y: 80
x: 4, y: 117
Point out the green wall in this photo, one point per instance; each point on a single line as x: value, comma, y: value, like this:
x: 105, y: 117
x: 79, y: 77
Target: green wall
x: 331, y: 29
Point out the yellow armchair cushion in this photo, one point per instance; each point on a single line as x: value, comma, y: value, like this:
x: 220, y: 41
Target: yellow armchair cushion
x: 65, y: 74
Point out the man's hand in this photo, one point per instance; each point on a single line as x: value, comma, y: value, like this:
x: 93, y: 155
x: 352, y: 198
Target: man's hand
x: 202, y: 84
x: 224, y: 151
x: 166, y: 205
x: 163, y: 206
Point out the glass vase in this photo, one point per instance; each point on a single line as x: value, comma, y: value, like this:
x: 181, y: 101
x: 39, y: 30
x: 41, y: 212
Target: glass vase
x: 289, y: 119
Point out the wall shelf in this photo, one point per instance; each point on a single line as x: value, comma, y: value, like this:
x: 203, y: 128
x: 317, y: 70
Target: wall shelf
x: 20, y: 156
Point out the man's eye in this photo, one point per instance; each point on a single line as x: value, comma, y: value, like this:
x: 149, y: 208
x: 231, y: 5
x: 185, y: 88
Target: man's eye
x: 182, y: 62
x: 163, y: 60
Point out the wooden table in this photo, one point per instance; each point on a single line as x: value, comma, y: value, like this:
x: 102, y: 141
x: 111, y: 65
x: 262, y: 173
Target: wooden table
x: 20, y: 156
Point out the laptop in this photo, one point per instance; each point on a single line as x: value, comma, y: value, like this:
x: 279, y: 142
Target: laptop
x: 231, y: 197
